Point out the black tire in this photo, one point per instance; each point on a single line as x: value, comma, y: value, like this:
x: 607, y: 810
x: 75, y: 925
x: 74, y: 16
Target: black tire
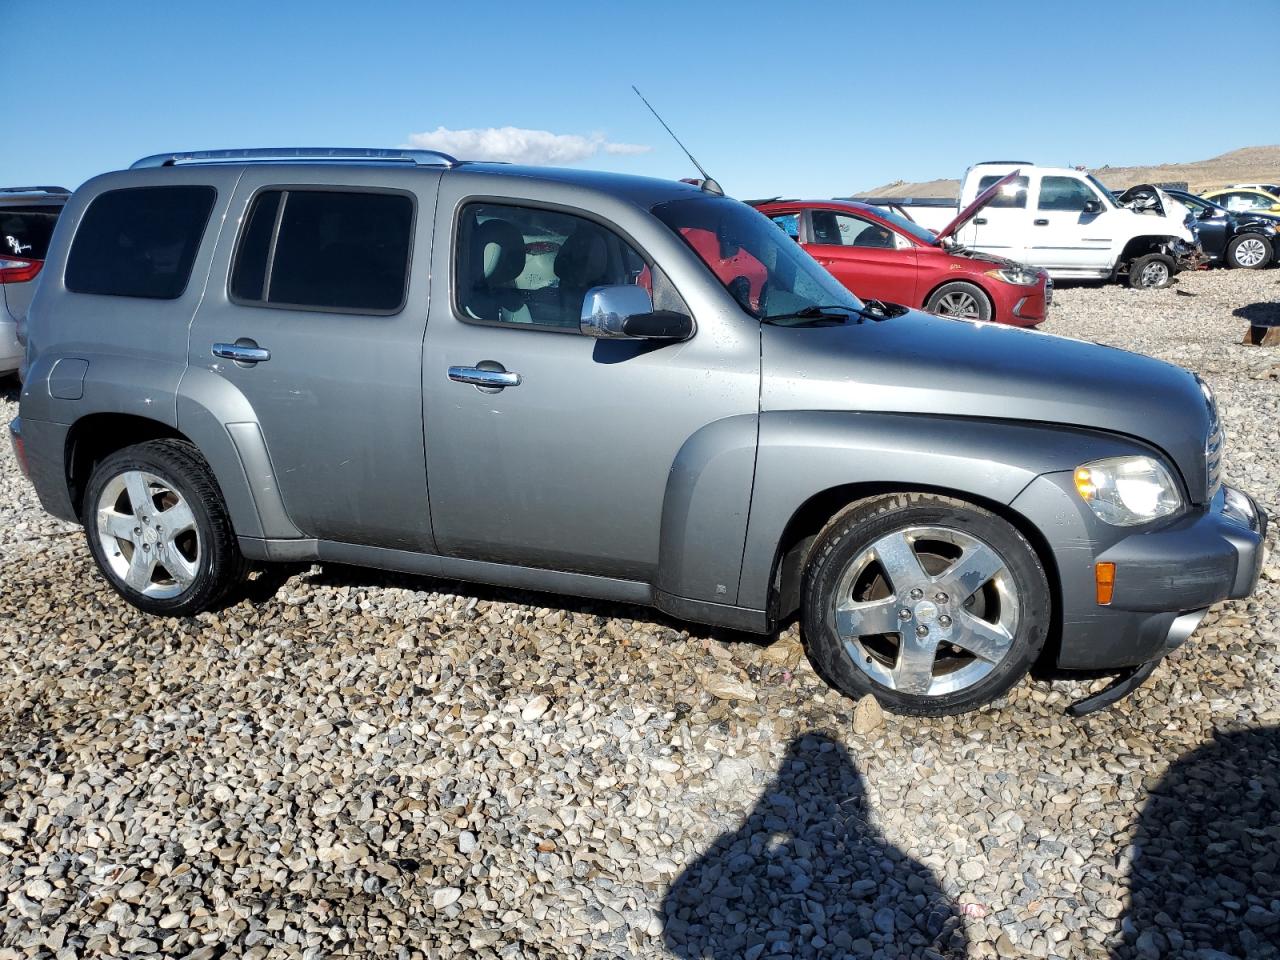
x: 945, y: 300
x: 1142, y: 278
x: 848, y: 538
x: 1249, y: 245
x: 219, y: 565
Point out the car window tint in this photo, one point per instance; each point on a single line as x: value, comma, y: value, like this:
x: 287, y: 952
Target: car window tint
x: 338, y: 250
x: 846, y: 230
x: 788, y: 223
x: 139, y: 241
x: 523, y: 265
x: 1013, y: 196
x: 25, y: 231
x: 1064, y: 193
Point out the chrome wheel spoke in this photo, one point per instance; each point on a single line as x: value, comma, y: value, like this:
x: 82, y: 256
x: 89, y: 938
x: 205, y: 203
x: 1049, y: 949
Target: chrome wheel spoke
x: 854, y: 619
x: 116, y: 524
x: 913, y: 672
x: 141, y: 567
x: 897, y: 557
x: 986, y: 641
x: 978, y: 564
x: 177, y: 519
x: 182, y: 570
x: 139, y: 492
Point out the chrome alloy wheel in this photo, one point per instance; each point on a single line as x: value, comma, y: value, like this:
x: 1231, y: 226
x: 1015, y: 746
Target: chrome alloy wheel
x: 1250, y: 252
x: 148, y: 534
x: 1155, y: 274
x: 958, y: 303
x: 927, y: 610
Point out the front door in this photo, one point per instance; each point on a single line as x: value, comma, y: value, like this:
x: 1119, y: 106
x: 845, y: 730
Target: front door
x: 866, y: 256
x: 319, y: 329
x: 568, y: 465
x: 1063, y: 235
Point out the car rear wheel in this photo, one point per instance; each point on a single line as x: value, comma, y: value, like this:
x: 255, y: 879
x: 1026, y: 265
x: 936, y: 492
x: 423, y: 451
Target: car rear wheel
x: 1249, y: 251
x: 159, y: 530
x: 963, y: 300
x: 932, y: 605
x: 1151, y: 272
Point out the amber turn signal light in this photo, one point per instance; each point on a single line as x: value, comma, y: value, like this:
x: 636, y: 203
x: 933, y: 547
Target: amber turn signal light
x: 1104, y: 576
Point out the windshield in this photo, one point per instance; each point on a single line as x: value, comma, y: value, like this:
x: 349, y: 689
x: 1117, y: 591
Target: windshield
x: 906, y: 226
x: 1103, y: 190
x: 763, y: 268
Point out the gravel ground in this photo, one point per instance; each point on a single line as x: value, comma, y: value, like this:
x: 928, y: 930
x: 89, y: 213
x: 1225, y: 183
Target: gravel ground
x: 349, y: 763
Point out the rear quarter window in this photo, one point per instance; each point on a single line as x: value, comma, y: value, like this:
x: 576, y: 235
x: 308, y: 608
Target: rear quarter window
x: 139, y: 242
x: 25, y: 231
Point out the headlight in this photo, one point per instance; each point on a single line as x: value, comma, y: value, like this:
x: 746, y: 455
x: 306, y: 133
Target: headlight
x: 1127, y: 491
x: 1018, y: 275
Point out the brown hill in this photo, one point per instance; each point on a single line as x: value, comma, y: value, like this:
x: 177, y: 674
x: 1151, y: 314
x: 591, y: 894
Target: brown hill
x: 1247, y: 165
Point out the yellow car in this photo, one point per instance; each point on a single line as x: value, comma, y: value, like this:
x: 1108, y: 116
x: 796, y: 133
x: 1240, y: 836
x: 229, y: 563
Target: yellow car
x: 1245, y: 200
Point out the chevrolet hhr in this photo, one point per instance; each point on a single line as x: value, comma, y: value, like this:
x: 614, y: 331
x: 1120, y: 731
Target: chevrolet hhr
x: 612, y: 387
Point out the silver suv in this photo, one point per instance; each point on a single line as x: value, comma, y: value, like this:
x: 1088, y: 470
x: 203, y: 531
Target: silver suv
x: 27, y: 217
x: 613, y: 387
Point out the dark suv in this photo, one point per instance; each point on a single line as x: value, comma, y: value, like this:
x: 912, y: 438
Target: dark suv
x: 27, y: 217
x: 614, y: 387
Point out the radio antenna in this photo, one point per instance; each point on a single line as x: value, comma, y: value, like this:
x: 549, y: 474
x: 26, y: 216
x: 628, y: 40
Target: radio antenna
x: 708, y: 185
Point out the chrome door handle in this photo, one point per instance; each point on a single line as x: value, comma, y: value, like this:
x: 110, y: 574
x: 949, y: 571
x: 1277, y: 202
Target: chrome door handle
x: 242, y: 351
x: 480, y: 377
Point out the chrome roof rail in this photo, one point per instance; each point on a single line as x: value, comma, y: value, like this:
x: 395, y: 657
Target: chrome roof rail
x: 48, y: 191
x: 422, y: 158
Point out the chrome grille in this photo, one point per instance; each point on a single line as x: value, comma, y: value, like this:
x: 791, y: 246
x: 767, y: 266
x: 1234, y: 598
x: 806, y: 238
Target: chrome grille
x: 1213, y: 458
x: 1213, y: 444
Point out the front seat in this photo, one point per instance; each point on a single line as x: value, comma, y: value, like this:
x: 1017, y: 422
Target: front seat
x: 582, y: 263
x: 497, y: 248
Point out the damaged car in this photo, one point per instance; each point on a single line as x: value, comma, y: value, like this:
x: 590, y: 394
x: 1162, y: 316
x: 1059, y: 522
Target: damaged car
x: 880, y: 255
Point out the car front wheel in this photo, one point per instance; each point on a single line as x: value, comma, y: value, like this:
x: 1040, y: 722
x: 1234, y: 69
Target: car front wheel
x: 159, y: 530
x: 932, y: 605
x: 958, y: 299
x: 1151, y: 272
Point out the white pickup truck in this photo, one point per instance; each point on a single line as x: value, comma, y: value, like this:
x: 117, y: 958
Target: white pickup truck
x: 1065, y: 221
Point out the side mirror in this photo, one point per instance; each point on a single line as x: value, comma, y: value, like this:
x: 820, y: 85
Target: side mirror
x: 1092, y: 206
x: 625, y: 311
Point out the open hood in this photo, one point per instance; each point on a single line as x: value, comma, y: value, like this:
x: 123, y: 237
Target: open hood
x: 1148, y: 198
x: 980, y: 201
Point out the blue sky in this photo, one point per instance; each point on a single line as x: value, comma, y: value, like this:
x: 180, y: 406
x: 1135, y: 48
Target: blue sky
x: 773, y: 98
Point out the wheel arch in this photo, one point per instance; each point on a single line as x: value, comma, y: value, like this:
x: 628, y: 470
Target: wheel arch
x: 1142, y: 245
x: 966, y: 278
x: 95, y: 436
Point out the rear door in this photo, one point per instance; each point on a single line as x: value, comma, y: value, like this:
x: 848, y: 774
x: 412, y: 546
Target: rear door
x: 866, y: 256
x: 315, y: 290
x: 1063, y: 235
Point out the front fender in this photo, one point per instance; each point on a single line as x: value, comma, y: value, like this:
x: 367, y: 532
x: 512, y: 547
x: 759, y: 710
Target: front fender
x: 803, y: 455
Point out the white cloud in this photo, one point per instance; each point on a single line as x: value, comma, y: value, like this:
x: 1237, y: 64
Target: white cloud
x: 516, y: 145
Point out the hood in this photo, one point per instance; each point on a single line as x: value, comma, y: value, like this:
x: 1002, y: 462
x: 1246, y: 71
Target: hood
x: 917, y: 363
x: 980, y: 201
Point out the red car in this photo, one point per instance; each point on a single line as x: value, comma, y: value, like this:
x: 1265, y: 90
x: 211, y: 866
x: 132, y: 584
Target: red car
x: 882, y: 256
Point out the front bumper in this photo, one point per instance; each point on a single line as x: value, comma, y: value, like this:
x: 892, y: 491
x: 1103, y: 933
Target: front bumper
x: 1165, y: 579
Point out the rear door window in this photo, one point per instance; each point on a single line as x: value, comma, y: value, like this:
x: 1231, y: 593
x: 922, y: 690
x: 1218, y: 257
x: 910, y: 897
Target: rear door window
x: 335, y: 250
x: 139, y: 242
x: 25, y: 231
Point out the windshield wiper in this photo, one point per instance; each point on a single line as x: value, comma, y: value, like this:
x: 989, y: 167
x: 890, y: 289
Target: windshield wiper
x: 816, y: 315
x: 821, y: 316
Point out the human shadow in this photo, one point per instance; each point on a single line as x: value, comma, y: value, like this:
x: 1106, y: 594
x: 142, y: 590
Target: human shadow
x: 1205, y: 877
x: 807, y: 875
